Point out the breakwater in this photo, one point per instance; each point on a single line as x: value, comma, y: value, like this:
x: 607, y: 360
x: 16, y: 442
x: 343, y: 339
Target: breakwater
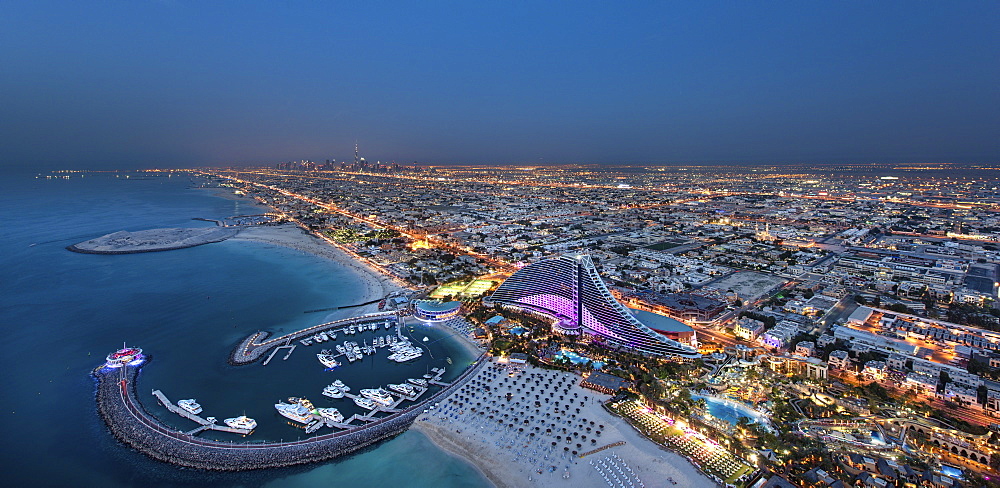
x: 129, y: 422
x: 256, y: 345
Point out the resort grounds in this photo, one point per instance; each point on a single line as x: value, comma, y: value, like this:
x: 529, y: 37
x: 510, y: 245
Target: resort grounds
x: 714, y: 459
x: 524, y: 426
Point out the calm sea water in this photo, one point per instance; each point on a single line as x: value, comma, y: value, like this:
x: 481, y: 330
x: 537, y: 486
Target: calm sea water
x: 62, y: 312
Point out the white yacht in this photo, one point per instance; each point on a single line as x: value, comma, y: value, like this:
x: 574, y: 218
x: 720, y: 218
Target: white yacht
x: 333, y: 391
x: 190, y: 405
x: 300, y: 410
x: 403, y: 389
x: 324, y: 336
x: 418, y: 381
x: 365, y: 403
x: 404, y: 355
x: 327, y: 359
x: 340, y: 349
x: 379, y: 395
x: 341, y: 385
x: 242, y: 422
x: 331, y: 414
x: 357, y: 351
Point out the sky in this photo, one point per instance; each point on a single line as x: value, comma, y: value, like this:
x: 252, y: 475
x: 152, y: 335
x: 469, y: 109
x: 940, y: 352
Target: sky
x: 127, y: 84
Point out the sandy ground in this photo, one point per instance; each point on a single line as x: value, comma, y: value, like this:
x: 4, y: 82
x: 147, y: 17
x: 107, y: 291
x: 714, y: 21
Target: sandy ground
x: 376, y: 284
x: 509, y: 458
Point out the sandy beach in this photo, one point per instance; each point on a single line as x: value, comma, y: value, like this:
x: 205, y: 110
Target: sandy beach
x: 510, y: 457
x: 291, y: 236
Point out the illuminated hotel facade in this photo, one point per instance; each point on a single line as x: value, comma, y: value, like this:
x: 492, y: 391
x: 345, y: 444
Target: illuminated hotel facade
x: 569, y: 290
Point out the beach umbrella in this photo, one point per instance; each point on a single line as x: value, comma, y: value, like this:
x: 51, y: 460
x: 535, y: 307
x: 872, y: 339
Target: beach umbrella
x: 593, y: 441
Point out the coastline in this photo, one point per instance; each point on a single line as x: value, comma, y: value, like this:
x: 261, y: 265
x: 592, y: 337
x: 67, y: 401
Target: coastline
x: 376, y: 285
x: 451, y: 445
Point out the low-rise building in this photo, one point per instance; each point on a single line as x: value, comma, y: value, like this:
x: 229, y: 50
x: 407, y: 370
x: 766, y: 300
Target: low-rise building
x: 875, y: 370
x: 805, y: 348
x: 748, y: 328
x: 839, y: 359
x: 921, y: 382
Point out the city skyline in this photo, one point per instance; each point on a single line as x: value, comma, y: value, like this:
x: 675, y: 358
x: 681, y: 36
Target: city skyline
x: 177, y: 85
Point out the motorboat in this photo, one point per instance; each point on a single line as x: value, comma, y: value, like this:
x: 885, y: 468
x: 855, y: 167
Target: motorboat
x: 379, y: 395
x: 403, y: 389
x: 418, y: 381
x: 190, y: 406
x: 331, y: 414
x: 341, y: 385
x: 333, y: 391
x: 366, y: 403
x: 327, y: 359
x: 242, y: 422
x: 299, y: 410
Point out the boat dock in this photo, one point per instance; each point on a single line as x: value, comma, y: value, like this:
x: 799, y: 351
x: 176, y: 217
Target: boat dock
x: 399, y: 398
x: 203, y: 423
x: 258, y: 344
x: 290, y: 347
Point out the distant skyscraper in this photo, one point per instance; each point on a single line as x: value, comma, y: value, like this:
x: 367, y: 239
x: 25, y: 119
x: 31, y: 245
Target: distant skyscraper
x: 570, y: 291
x: 356, y: 161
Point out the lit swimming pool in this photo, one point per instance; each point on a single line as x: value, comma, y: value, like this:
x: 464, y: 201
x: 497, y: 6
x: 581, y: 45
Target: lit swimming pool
x: 578, y: 359
x: 518, y: 331
x: 731, y: 411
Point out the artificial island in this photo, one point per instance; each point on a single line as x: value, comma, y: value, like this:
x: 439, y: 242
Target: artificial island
x: 699, y: 325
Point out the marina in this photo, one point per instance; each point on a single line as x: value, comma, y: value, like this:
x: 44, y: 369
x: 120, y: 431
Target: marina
x: 131, y: 424
x: 257, y: 345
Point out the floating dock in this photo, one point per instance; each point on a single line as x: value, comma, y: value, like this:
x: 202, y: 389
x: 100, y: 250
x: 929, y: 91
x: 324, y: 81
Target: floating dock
x: 204, y: 424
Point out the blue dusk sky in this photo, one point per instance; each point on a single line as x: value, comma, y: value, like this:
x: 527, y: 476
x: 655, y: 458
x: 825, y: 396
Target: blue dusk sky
x: 116, y: 84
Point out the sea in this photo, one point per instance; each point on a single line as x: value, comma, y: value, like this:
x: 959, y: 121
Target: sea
x: 63, y: 312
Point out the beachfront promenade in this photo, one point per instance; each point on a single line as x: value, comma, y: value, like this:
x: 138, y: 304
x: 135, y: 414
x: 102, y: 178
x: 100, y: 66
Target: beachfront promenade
x: 129, y: 422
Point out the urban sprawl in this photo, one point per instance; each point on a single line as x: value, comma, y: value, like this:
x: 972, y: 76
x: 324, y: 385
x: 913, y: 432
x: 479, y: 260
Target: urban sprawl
x: 842, y: 320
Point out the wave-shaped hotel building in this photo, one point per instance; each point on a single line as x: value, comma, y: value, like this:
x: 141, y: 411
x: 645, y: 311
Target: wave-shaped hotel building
x: 569, y: 290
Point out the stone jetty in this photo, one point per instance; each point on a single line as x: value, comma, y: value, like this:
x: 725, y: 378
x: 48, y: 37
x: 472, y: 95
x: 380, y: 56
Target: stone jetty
x: 124, y: 242
x: 257, y: 344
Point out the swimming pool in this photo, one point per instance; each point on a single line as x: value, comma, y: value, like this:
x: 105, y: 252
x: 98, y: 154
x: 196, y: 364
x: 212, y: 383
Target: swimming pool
x: 578, y: 359
x: 518, y: 331
x: 731, y: 411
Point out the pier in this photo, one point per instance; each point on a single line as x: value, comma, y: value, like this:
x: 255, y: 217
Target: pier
x: 131, y: 424
x: 204, y: 424
x: 290, y: 347
x: 258, y: 344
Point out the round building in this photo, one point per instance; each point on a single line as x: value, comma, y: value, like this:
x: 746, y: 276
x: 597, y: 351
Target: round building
x: 436, y: 311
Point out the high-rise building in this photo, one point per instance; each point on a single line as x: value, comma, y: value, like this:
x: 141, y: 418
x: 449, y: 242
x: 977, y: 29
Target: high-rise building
x: 569, y: 290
